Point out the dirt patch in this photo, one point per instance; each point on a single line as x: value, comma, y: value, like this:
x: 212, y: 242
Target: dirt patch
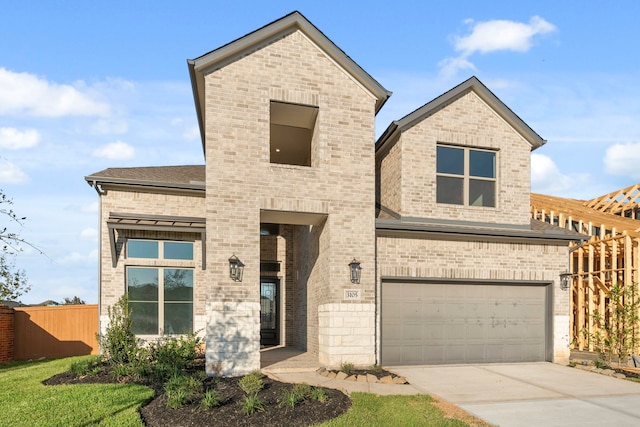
x: 454, y: 412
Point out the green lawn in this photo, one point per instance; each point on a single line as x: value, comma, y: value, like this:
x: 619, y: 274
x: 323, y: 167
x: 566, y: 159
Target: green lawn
x: 24, y: 401
x: 388, y: 411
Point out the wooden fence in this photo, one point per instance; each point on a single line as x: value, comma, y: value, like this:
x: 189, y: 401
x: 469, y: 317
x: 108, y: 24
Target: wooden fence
x: 51, y: 332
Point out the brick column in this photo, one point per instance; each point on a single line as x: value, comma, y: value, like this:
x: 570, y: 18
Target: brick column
x: 6, y: 334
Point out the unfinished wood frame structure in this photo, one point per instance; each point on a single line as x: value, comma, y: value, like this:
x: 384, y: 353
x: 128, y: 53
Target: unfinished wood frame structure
x: 609, y: 254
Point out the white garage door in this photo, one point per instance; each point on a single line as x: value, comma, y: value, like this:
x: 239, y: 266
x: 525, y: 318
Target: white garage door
x: 432, y: 323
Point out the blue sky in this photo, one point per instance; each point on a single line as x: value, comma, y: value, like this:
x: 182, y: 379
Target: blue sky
x: 90, y: 85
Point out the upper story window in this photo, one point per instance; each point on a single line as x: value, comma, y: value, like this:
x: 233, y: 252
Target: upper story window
x: 465, y: 176
x: 292, y: 130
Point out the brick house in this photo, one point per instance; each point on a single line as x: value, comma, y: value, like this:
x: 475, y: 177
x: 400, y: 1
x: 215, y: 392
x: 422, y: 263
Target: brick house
x: 415, y: 249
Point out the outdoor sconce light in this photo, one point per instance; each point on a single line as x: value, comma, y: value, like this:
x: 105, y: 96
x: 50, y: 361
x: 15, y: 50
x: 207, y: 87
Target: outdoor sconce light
x: 355, y: 271
x: 565, y: 280
x: 236, y: 268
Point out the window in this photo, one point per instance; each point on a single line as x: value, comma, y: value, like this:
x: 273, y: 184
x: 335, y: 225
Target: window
x: 292, y: 127
x: 160, y: 298
x: 465, y: 176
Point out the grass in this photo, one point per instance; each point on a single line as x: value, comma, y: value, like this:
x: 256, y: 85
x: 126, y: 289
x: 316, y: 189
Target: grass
x: 373, y: 410
x: 24, y: 401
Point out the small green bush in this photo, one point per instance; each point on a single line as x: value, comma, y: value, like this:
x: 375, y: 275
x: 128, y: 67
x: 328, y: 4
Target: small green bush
x: 251, y: 384
x: 119, y: 342
x: 376, y: 369
x: 211, y: 399
x: 181, y: 389
x: 296, y: 394
x: 122, y: 370
x: 171, y: 355
x: 347, y: 368
x: 251, y: 404
x: 319, y: 394
x: 91, y: 366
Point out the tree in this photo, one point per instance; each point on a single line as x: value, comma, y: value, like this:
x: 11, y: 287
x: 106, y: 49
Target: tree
x: 13, y: 282
x: 73, y: 301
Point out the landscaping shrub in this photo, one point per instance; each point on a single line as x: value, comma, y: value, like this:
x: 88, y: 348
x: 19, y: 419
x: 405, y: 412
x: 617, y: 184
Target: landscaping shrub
x: 119, y: 343
x: 211, y: 399
x: 251, y: 384
x: 90, y: 366
x: 319, y: 394
x: 181, y: 389
x: 251, y: 404
x: 347, y: 368
x: 171, y: 355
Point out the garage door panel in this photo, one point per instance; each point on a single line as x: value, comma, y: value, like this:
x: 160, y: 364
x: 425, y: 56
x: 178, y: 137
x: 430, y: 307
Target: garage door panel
x: 428, y: 323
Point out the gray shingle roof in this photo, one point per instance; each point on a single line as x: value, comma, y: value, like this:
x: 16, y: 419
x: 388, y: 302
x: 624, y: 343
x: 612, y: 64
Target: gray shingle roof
x: 189, y: 177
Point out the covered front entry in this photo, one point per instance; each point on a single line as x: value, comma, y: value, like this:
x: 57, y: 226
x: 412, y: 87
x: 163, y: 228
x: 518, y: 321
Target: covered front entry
x: 463, y: 322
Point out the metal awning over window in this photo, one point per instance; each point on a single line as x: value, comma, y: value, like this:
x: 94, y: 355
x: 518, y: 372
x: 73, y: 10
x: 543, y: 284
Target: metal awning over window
x: 179, y: 224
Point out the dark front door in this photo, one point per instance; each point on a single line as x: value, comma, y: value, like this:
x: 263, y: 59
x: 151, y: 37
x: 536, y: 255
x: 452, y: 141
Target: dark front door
x: 269, y: 312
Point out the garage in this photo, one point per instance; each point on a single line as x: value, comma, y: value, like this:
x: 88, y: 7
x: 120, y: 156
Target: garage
x: 464, y: 322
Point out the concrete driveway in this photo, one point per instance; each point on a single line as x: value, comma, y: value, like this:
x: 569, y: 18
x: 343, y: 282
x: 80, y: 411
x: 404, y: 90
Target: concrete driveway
x: 531, y: 394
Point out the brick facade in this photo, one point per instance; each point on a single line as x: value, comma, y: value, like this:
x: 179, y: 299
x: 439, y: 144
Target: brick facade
x: 112, y: 279
x: 327, y: 211
x: 339, y: 185
x: 408, y: 181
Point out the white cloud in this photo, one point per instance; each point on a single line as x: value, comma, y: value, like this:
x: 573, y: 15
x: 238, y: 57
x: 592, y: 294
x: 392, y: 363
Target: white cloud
x: 11, y: 174
x: 14, y: 139
x: 493, y: 36
x: 496, y: 35
x: 546, y: 178
x: 115, y: 151
x: 623, y: 159
x: 24, y: 93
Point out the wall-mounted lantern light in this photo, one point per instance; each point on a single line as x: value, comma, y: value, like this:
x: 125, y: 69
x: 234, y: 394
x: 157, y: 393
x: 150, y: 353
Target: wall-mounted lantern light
x: 355, y: 268
x: 236, y: 268
x: 565, y: 280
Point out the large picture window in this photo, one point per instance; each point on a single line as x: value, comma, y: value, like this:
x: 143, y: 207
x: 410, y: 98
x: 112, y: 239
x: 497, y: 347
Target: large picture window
x: 465, y: 176
x: 160, y: 298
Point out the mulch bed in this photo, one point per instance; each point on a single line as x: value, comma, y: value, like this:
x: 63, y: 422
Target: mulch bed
x: 157, y: 414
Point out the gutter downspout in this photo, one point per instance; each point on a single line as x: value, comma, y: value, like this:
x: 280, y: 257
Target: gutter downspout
x: 101, y: 192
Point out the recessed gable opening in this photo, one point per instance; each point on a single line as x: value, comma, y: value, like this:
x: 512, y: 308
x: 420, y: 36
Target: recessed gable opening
x: 292, y: 130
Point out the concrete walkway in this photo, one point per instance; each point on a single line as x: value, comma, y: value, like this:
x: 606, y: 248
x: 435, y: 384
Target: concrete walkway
x: 315, y: 379
x: 531, y: 394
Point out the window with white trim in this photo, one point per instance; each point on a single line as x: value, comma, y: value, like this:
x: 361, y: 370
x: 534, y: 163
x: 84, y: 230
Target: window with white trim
x: 465, y: 176
x: 160, y: 297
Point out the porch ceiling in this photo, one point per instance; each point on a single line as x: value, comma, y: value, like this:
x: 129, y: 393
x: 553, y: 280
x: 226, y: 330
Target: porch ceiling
x: 294, y: 218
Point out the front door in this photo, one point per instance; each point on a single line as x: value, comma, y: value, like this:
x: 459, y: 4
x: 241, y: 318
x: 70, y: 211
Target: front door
x: 269, y: 312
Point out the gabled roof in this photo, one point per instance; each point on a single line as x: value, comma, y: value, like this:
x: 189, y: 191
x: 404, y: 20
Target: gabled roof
x: 177, y: 177
x: 472, y: 84
x: 236, y: 49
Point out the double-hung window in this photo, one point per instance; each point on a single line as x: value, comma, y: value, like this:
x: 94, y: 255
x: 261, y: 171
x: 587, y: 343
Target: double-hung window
x: 160, y: 297
x: 465, y: 176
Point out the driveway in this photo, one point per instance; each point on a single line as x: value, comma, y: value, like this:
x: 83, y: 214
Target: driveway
x: 531, y: 394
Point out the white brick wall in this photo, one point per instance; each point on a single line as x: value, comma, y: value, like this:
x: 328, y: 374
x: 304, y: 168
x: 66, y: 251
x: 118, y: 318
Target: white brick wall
x: 347, y: 334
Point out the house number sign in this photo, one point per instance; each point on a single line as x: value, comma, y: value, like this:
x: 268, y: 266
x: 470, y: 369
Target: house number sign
x: 353, y: 294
